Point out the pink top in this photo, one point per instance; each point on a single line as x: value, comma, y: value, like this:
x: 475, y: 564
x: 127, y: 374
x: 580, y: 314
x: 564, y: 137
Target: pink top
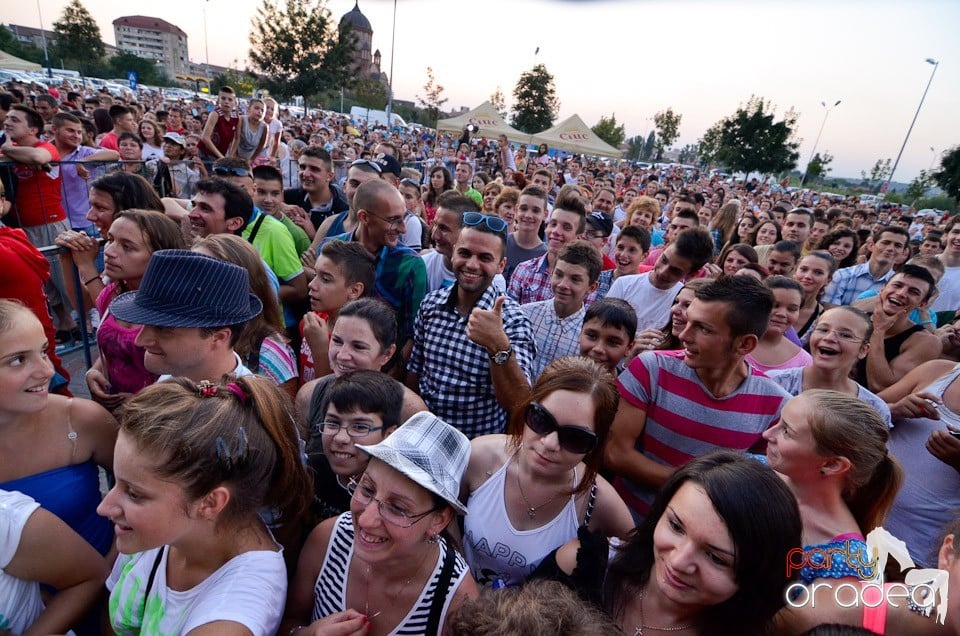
x: 122, y: 359
x: 800, y: 359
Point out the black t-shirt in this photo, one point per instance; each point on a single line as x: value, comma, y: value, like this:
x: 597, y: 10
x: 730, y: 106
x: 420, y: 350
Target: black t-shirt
x: 330, y: 499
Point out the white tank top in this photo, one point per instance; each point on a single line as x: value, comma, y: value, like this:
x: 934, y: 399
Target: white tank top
x: 495, y: 549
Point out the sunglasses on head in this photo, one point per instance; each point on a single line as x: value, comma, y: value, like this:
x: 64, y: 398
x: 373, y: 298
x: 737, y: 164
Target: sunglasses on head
x: 494, y: 223
x: 369, y: 163
x: 575, y: 439
x: 223, y: 171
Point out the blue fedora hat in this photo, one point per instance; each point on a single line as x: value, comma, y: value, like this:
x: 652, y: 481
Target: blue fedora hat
x: 186, y: 289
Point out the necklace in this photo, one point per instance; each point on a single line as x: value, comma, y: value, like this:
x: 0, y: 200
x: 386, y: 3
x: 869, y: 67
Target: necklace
x: 391, y: 598
x: 531, y: 509
x: 639, y: 630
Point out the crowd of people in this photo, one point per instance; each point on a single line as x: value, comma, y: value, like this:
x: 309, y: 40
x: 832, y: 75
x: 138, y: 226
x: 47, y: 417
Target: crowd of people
x: 352, y: 380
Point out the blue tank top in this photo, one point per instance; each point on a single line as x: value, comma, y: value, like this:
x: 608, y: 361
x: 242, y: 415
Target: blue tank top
x: 73, y: 494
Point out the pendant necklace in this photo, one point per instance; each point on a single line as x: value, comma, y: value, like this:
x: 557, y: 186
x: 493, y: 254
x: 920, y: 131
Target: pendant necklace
x: 639, y: 630
x: 531, y: 509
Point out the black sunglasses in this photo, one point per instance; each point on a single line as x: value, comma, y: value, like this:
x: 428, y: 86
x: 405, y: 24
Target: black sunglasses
x: 575, y: 439
x: 494, y: 223
x: 223, y: 171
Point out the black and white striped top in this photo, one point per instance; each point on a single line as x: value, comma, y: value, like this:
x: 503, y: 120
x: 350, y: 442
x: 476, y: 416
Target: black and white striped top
x: 330, y: 591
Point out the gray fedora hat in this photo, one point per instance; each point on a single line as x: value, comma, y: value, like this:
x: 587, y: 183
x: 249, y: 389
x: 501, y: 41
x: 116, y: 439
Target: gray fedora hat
x: 428, y: 451
x: 186, y: 289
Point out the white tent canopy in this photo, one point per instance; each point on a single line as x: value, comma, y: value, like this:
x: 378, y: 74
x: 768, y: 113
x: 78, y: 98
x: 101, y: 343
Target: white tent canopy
x: 573, y: 135
x: 16, y: 64
x: 488, y: 120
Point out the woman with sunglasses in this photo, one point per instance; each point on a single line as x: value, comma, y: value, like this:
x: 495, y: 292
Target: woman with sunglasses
x: 528, y: 492
x: 387, y: 565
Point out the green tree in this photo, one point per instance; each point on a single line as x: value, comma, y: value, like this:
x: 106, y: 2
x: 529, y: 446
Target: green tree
x: 499, y: 102
x: 608, y: 130
x: 370, y: 93
x: 297, y: 49
x: 148, y: 71
x: 668, y: 129
x: 15, y: 47
x: 948, y: 176
x: 819, y: 166
x: 535, y: 103
x: 709, y: 145
x: 751, y: 140
x: 879, y: 172
x: 923, y: 182
x: 432, y: 100
x: 649, y: 147
x: 688, y: 154
x: 634, y: 147
x: 78, y: 36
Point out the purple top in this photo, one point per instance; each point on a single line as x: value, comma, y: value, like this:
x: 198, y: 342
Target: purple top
x: 122, y: 359
x: 76, y: 191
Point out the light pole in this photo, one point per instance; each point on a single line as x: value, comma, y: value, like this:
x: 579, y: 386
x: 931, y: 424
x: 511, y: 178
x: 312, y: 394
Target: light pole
x: 825, y: 115
x: 393, y: 37
x: 933, y: 158
x: 206, y: 46
x: 43, y: 39
x: 935, y: 63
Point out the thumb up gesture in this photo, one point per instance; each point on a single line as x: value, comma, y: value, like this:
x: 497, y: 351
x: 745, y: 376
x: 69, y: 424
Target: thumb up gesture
x: 485, y: 327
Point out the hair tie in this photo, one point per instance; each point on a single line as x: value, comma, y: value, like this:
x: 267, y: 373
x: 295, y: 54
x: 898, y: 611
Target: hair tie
x: 237, y: 390
x: 206, y: 388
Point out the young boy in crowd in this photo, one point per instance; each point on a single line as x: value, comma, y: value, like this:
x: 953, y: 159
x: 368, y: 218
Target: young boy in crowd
x: 557, y: 322
x: 268, y: 196
x: 345, y: 272
x: 782, y: 258
x: 415, y: 234
x: 608, y: 332
x: 632, y: 246
x: 221, y: 126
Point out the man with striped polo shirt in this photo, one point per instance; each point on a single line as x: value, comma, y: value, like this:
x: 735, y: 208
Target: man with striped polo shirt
x: 677, y: 405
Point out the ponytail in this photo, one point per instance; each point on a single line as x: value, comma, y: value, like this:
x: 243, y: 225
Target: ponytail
x: 871, y: 502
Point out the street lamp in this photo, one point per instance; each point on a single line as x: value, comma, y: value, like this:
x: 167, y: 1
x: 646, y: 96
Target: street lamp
x: 935, y: 64
x: 825, y: 115
x: 43, y: 39
x: 393, y: 37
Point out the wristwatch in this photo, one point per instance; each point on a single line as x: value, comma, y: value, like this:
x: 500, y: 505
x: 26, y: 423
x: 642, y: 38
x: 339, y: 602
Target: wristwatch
x: 501, y: 357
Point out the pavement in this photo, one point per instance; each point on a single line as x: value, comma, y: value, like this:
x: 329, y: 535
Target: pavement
x: 75, y: 364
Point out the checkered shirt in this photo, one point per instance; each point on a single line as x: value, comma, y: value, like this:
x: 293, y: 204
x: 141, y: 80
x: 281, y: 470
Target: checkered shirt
x: 848, y: 283
x: 530, y: 283
x: 454, y: 371
x: 555, y: 337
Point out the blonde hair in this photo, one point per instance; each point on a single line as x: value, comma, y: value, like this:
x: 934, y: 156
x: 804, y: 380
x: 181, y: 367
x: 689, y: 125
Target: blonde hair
x: 847, y: 427
x: 643, y: 204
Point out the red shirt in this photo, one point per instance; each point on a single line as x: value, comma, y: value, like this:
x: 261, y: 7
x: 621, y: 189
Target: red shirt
x: 38, y: 192
x: 109, y: 141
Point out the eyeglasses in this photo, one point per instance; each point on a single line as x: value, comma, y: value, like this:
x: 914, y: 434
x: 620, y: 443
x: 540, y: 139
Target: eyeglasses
x: 494, y: 223
x: 224, y: 171
x: 843, y: 336
x: 394, y: 223
x: 575, y: 439
x: 353, y: 429
x: 369, y: 163
x: 391, y: 513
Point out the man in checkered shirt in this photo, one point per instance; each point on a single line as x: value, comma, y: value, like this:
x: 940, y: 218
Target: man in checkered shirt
x: 473, y: 350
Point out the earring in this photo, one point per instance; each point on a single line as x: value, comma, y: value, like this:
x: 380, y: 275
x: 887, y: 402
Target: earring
x: 433, y: 539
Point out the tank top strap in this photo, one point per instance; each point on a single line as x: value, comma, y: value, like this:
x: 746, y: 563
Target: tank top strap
x: 71, y: 434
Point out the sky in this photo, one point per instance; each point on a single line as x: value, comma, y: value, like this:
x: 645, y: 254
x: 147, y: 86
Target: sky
x: 634, y: 58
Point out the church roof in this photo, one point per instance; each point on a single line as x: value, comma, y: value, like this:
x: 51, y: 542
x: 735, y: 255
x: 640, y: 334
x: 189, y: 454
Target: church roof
x: 356, y: 19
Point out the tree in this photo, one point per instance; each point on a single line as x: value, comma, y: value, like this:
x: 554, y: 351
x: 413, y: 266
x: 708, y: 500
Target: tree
x: 819, y: 165
x: 634, y: 147
x: 431, y: 100
x: 15, y: 47
x: 148, y: 71
x: 535, y: 103
x: 709, y: 145
x: 919, y: 186
x: 751, y: 140
x: 78, y: 36
x: 499, y: 102
x: 688, y: 154
x: 948, y: 176
x: 370, y: 93
x: 668, y: 129
x: 649, y: 146
x: 298, y: 51
x: 608, y: 130
x: 880, y: 171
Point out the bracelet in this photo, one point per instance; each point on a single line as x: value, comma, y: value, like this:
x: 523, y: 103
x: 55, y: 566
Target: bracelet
x: 296, y: 629
x: 87, y: 282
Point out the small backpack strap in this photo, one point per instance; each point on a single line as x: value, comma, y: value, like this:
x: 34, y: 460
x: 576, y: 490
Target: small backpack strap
x: 441, y: 591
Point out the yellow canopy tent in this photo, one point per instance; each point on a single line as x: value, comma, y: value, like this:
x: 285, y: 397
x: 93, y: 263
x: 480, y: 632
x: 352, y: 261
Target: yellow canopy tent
x: 573, y: 135
x: 488, y: 120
